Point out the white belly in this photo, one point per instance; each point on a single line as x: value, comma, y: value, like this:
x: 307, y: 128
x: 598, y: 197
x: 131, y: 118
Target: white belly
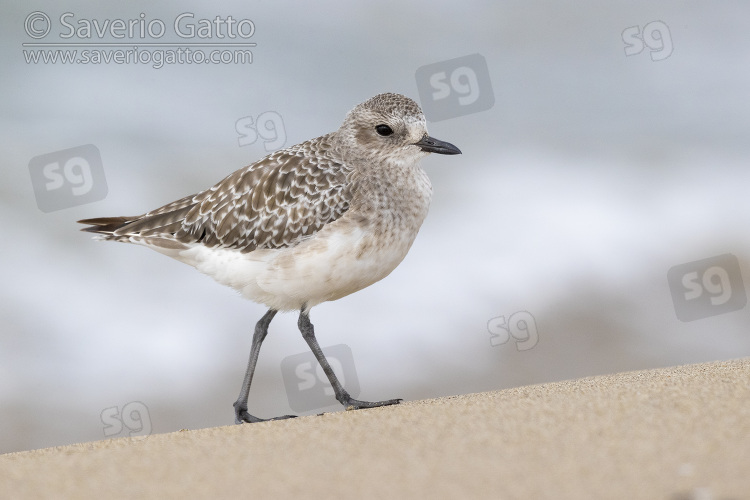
x: 340, y: 259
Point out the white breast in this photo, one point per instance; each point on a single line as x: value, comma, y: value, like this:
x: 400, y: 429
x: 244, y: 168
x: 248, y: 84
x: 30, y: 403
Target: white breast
x: 347, y: 255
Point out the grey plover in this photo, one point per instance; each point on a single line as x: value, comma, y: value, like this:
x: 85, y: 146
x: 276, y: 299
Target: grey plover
x: 306, y: 224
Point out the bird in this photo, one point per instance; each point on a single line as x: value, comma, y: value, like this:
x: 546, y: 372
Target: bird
x: 307, y: 224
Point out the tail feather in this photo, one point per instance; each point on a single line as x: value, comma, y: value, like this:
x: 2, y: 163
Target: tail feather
x: 106, y: 225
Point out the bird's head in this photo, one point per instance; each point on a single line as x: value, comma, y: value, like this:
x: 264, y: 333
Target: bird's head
x: 390, y: 127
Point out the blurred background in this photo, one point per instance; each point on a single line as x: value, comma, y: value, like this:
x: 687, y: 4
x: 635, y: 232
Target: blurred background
x: 603, y: 146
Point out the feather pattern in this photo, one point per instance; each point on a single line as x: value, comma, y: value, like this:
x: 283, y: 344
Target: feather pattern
x: 273, y: 203
x: 307, y: 224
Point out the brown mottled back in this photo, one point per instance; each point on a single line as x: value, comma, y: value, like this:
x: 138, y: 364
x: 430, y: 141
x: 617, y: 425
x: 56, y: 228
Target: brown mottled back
x: 273, y: 203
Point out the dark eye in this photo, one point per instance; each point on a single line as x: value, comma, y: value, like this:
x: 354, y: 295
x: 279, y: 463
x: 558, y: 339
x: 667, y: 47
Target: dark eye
x: 384, y: 130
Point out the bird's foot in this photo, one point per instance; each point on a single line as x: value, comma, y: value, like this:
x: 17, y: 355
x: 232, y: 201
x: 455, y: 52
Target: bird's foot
x: 355, y: 404
x: 241, y: 416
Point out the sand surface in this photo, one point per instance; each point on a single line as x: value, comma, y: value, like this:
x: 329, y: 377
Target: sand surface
x: 676, y: 433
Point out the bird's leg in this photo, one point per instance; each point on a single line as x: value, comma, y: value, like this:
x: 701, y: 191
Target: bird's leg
x: 308, y: 333
x: 240, y: 406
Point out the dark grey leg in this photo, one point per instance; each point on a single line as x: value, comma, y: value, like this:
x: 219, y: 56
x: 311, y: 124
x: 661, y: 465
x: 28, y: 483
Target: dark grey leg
x: 240, y: 406
x: 308, y: 333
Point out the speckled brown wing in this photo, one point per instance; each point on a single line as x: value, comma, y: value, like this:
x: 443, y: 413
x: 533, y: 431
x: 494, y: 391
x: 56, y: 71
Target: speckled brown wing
x: 273, y: 203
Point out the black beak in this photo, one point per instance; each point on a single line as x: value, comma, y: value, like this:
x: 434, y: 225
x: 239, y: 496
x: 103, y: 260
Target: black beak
x: 432, y: 145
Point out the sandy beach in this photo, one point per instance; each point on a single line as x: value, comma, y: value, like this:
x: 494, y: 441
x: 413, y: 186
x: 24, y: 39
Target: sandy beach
x: 676, y: 433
